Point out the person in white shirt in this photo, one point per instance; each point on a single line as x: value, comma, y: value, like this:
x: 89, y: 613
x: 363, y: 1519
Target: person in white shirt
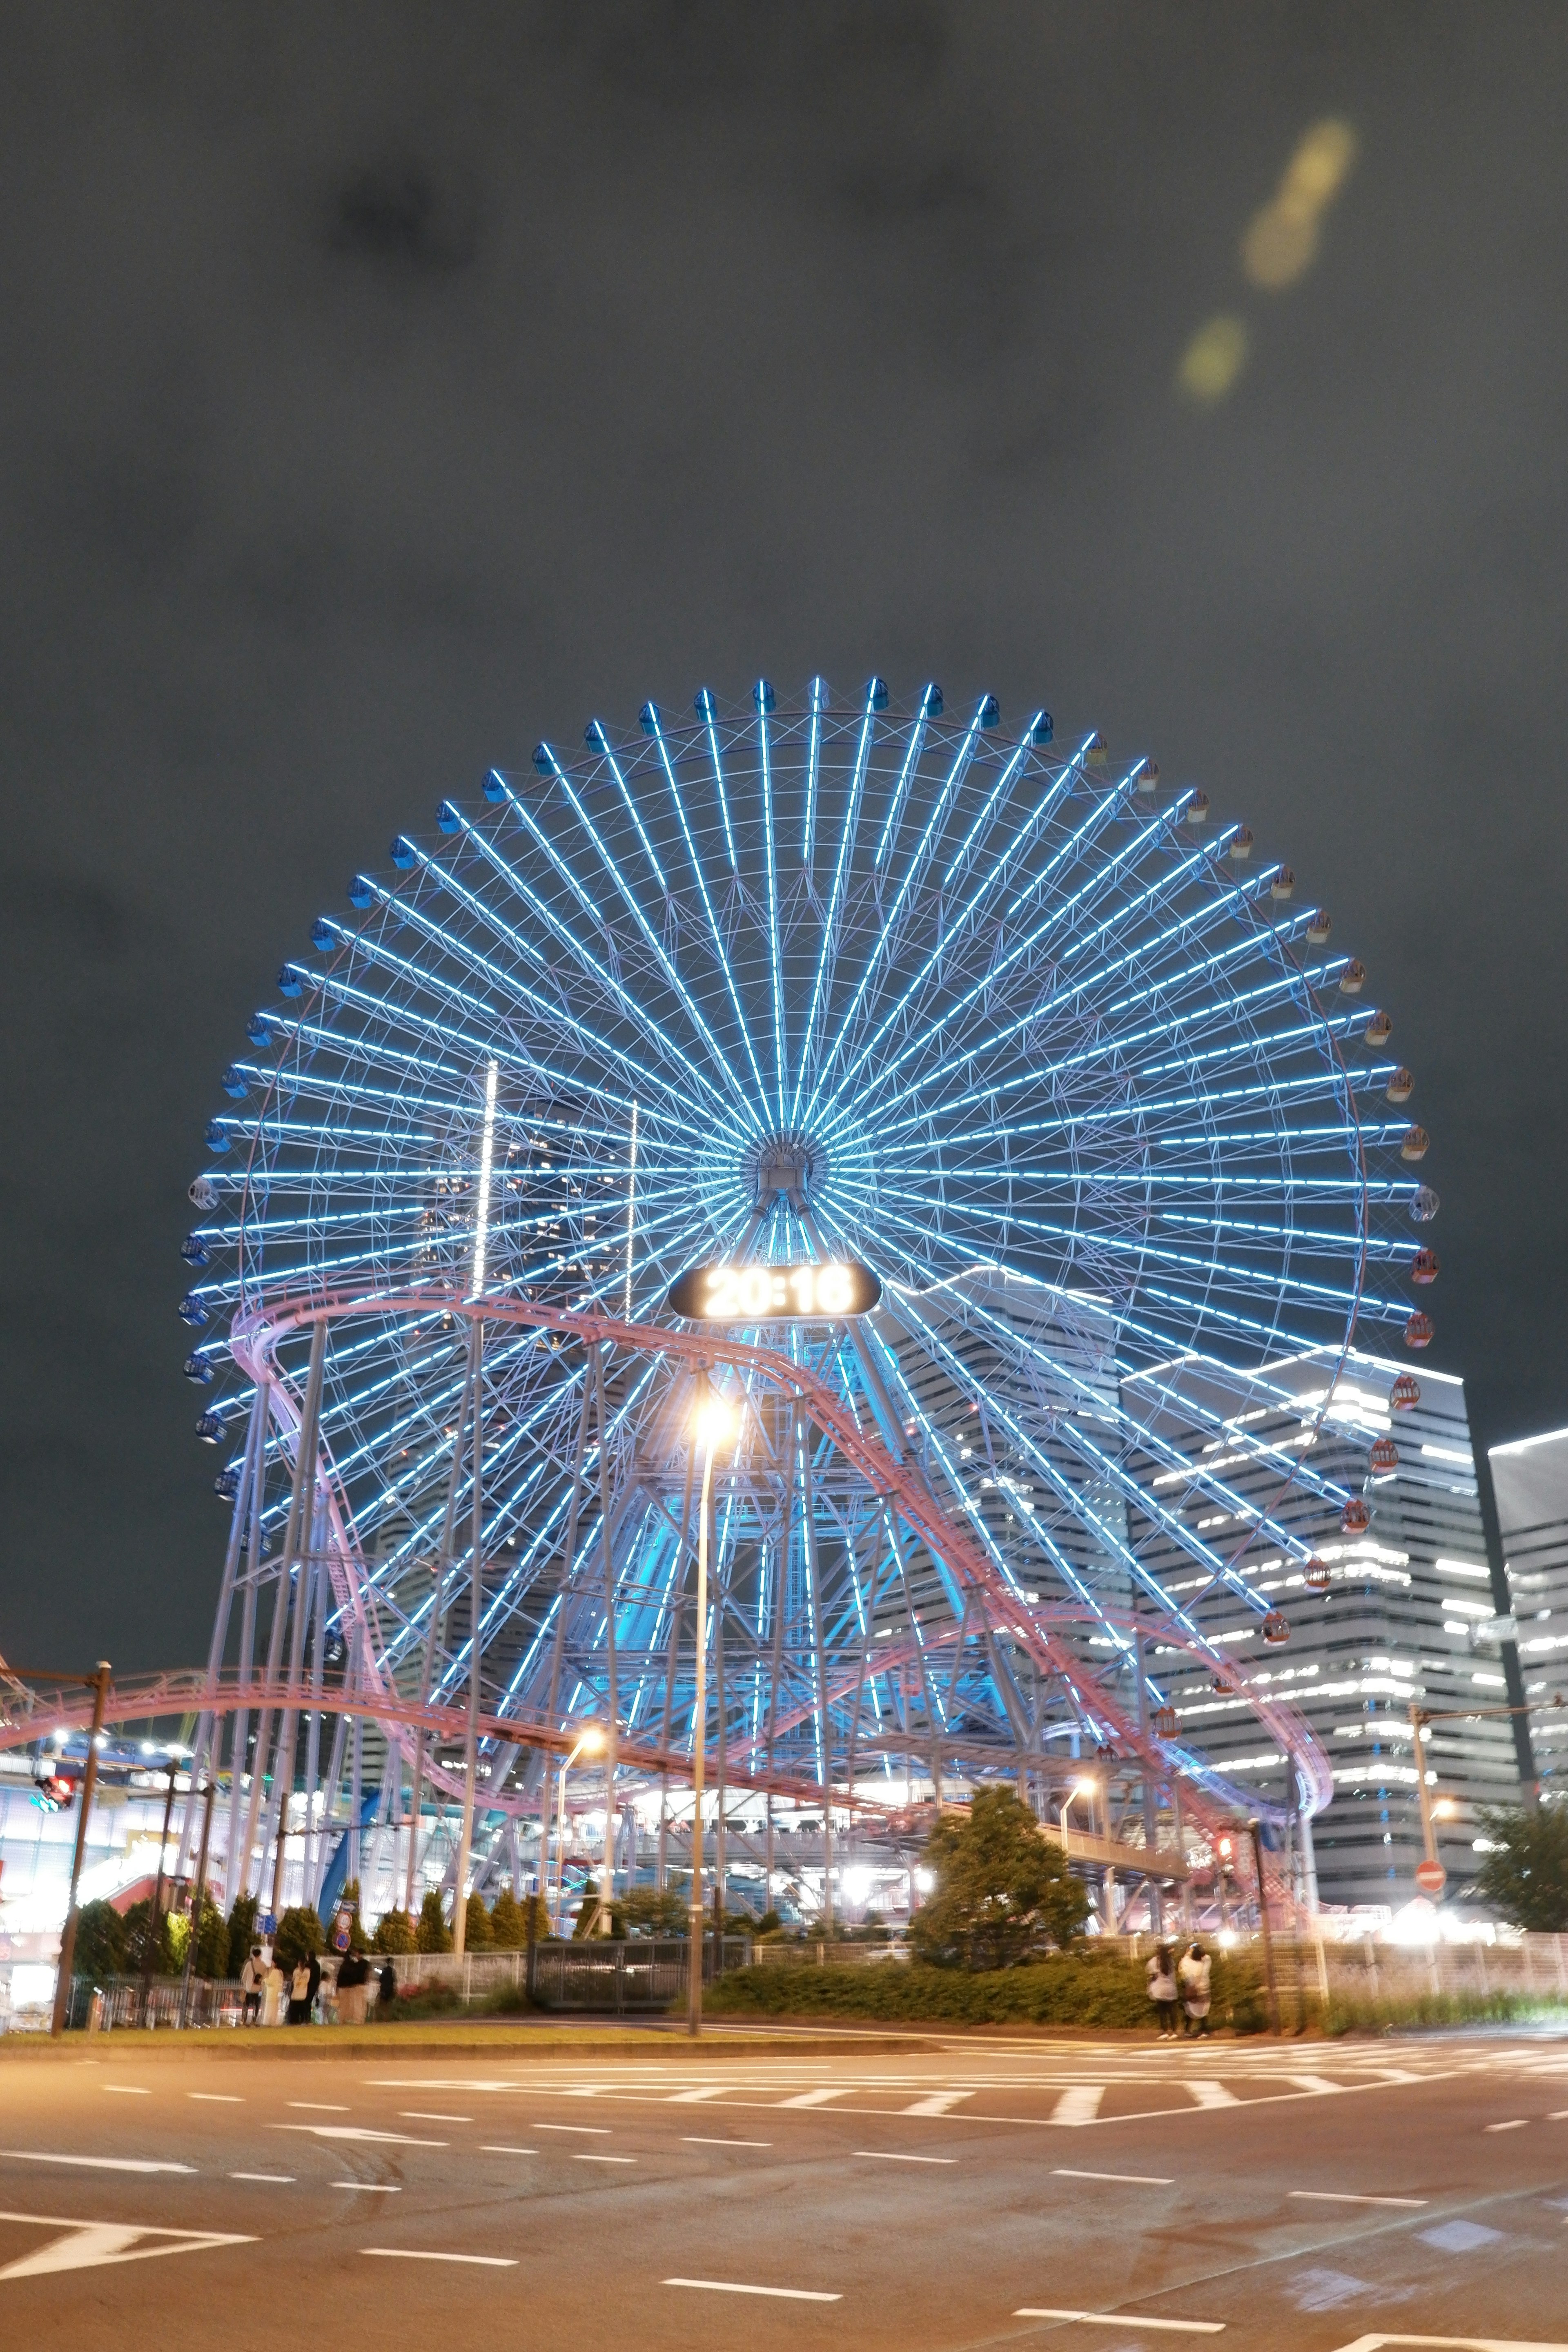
x: 1195, y: 1974
x: 1160, y: 1974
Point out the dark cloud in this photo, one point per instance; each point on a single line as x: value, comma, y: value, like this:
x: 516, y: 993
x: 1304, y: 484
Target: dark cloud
x: 385, y: 387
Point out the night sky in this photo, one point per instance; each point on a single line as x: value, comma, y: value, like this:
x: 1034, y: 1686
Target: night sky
x: 388, y: 386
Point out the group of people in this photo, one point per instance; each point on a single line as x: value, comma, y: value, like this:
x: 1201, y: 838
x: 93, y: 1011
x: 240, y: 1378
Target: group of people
x: 1183, y: 1984
x: 273, y: 1995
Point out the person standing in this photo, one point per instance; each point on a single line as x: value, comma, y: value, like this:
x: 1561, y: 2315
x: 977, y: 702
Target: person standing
x: 353, y: 1978
x: 387, y: 1989
x: 274, y: 1989
x: 1161, y: 1975
x: 1195, y: 1974
x: 300, y: 1992
x: 252, y: 1978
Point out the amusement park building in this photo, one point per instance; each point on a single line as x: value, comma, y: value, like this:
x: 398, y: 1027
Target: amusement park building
x: 1530, y: 1480
x: 1392, y: 1624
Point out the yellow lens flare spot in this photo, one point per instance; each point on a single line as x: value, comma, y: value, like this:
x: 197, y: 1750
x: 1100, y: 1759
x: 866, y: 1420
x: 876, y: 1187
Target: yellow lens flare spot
x: 1281, y: 241
x: 1213, y: 361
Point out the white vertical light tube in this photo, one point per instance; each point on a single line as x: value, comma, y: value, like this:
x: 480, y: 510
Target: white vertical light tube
x: 631, y: 1209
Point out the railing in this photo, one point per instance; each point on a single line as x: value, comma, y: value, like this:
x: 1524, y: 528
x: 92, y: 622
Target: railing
x: 826, y: 1952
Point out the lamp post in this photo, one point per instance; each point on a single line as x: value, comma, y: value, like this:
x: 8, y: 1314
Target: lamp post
x: 587, y: 1743
x: 712, y: 1419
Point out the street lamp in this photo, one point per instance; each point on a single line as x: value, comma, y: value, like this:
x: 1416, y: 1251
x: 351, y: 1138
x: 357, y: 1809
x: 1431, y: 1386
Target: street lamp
x: 710, y: 1422
x: 588, y: 1743
x: 1088, y: 1789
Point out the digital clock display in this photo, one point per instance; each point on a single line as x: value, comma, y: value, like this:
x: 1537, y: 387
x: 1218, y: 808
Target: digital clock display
x: 771, y: 1294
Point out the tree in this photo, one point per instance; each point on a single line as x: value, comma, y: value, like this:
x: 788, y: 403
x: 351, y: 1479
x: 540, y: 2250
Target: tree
x: 432, y: 1934
x: 100, y: 1942
x: 395, y: 1933
x: 299, y: 1935
x: 212, y: 1941
x: 477, y: 1933
x: 1001, y: 1887
x: 241, y: 1933
x: 654, y: 1911
x: 1525, y: 1875
x: 509, y: 1920
x: 150, y: 1944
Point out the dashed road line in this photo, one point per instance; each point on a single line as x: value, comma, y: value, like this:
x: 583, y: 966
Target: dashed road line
x: 594, y: 2131
x: 217, y: 2099
x: 279, y: 2179
x: 1518, y: 2124
x: 1124, y: 2319
x: 94, y: 2163
x: 489, y: 2149
x: 371, y: 2188
x: 691, y: 2140
x: 422, y: 2116
x: 418, y: 2254
x: 1137, y: 2179
x: 892, y: 2156
x: 734, y: 2286
x: 585, y: 2156
x: 1348, y: 2197
x: 126, y: 2090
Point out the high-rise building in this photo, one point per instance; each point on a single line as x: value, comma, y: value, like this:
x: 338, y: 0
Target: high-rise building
x: 1391, y: 1624
x: 1530, y: 1480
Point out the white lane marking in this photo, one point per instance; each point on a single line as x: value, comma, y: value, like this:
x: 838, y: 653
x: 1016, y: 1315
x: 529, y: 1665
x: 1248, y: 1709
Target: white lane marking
x: 1459, y: 2343
x: 1139, y: 2179
x: 581, y: 2157
x: 1319, y: 2083
x: 1079, y: 2105
x: 318, y: 2106
x: 1121, y: 2319
x: 1559, y: 2116
x: 490, y: 2149
x: 417, y: 2254
x: 357, y: 2131
x: 95, y: 2163
x: 1344, y: 2196
x: 282, y: 2179
x: 815, y: 2098
x: 733, y: 2287
x: 217, y: 2099
x: 692, y: 2141
x: 891, y: 2156
x: 937, y: 2105
x: 88, y: 2245
x: 690, y: 2098
x: 371, y: 2188
x: 126, y: 2090
x: 1211, y: 2094
x: 592, y: 2131
x: 424, y: 2115
x: 1517, y: 2125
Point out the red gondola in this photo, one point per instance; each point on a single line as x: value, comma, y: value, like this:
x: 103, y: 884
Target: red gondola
x: 1415, y: 1144
x: 1405, y: 1393
x: 1424, y: 1267
x: 1401, y: 1086
x: 1318, y: 925
x: 1418, y: 1332
x: 1355, y: 1518
x: 1315, y: 1575
x: 1383, y: 1457
x: 1275, y: 1628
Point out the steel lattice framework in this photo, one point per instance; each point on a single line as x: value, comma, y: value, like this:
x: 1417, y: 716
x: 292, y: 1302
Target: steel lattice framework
x: 1083, y: 1085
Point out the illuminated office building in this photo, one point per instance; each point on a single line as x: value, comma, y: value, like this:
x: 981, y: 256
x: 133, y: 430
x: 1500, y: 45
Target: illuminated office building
x: 1398, y: 1620
x: 1530, y: 1480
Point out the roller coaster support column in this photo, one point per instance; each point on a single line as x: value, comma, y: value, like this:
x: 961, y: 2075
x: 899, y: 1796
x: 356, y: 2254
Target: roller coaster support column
x: 475, y: 1602
x: 711, y: 1421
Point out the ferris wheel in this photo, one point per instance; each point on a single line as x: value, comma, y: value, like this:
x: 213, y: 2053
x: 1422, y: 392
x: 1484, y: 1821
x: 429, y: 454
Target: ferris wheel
x: 1020, y: 1122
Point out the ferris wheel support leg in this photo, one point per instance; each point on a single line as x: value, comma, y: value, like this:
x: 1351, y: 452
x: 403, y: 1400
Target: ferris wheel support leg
x: 299, y: 1545
x: 476, y: 1628
x: 1151, y: 1794
x: 204, y: 1746
x: 604, y: 1922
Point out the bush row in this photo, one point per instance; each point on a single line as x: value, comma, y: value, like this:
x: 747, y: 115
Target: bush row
x: 1074, y: 1988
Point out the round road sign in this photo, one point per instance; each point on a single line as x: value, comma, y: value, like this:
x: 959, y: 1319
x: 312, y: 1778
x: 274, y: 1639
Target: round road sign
x: 1431, y: 1878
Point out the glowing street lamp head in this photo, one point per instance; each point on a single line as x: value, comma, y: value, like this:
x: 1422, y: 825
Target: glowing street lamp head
x: 1085, y: 1787
x: 589, y: 1741
x: 712, y: 1421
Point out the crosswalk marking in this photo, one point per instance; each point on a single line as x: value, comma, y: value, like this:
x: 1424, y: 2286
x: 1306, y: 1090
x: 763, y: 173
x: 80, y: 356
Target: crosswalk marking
x: 814, y: 2098
x: 1081, y: 2104
x: 1315, y: 2082
x: 939, y: 2103
x: 1211, y: 2094
x: 690, y: 2098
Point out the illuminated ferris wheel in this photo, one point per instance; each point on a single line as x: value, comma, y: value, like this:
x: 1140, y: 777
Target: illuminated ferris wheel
x: 998, y: 1110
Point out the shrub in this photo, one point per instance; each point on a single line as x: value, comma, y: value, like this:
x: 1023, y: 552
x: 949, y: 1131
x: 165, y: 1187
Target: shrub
x: 432, y: 1934
x: 509, y: 1920
x: 212, y: 1941
x: 1083, y: 1987
x: 477, y: 1932
x: 654, y: 1911
x: 299, y: 1935
x: 241, y: 1933
x: 393, y: 1934
x: 100, y: 1942
x: 149, y: 1944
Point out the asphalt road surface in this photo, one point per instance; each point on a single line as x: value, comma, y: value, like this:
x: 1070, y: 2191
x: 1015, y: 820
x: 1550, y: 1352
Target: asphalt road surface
x: 1318, y: 2197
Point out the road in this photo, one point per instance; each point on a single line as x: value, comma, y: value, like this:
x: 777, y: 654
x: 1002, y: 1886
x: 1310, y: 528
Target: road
x: 1315, y: 2196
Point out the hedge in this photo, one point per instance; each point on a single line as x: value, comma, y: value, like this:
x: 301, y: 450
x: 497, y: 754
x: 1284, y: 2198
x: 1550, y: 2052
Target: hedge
x: 1079, y: 1988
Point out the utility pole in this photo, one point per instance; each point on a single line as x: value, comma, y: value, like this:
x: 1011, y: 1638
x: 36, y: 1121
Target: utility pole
x: 99, y: 1685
